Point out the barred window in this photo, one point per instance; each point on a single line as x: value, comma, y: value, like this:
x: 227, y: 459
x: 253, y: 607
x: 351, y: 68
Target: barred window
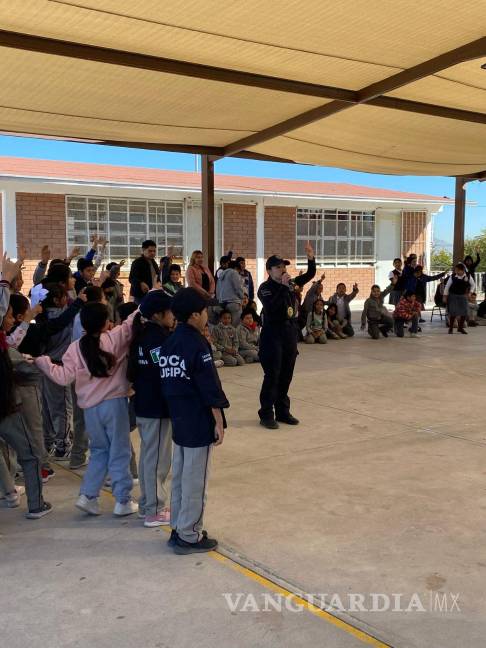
x: 338, y: 236
x: 126, y: 223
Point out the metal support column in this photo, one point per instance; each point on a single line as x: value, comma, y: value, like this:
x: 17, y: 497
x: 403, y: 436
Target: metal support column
x: 459, y: 219
x: 207, y: 180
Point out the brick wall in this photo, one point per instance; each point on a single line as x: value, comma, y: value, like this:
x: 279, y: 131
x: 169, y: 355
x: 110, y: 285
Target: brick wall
x: 41, y: 220
x: 280, y: 233
x: 414, y: 234
x: 240, y: 232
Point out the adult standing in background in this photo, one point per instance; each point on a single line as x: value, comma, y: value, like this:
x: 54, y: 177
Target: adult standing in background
x: 144, y: 273
x: 472, y: 265
x: 199, y: 276
x: 230, y: 291
x: 246, y: 278
x: 278, y: 340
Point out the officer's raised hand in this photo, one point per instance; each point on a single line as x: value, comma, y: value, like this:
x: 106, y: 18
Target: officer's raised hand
x: 309, y: 250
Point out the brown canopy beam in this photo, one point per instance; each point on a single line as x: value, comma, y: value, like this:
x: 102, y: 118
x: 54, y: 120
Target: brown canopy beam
x: 124, y: 58
x: 171, y: 66
x: 472, y: 50
x: 207, y: 187
x: 459, y: 219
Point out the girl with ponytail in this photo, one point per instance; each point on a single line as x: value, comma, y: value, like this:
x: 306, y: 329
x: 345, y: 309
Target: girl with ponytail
x: 97, y: 364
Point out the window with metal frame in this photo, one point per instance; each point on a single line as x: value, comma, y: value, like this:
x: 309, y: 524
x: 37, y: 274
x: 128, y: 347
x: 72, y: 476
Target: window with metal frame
x: 126, y: 223
x: 339, y: 237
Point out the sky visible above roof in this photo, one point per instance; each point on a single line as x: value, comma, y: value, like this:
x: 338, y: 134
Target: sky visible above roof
x: 37, y: 148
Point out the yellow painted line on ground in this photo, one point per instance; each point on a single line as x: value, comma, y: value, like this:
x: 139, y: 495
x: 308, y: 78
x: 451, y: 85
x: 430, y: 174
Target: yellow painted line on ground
x: 362, y: 636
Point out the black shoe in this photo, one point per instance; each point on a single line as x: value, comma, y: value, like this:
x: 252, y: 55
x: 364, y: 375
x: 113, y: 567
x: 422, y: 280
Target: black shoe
x: 288, y: 419
x: 383, y: 331
x: 450, y: 331
x: 419, y: 329
x: 173, y: 538
x: 270, y: 424
x: 35, y: 514
x: 182, y: 548
x: 461, y: 330
x: 421, y: 320
x: 61, y: 453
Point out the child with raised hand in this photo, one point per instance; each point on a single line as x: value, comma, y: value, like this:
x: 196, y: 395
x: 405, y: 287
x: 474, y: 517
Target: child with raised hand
x: 397, y: 290
x: 151, y: 328
x: 226, y: 340
x: 407, y: 311
x: 217, y: 355
x: 196, y: 400
x: 342, y: 301
x: 97, y: 364
x: 316, y: 325
x: 375, y: 312
x: 248, y: 337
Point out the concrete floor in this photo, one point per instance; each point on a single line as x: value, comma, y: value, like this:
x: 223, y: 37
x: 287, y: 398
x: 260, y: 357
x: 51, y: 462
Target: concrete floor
x: 381, y: 489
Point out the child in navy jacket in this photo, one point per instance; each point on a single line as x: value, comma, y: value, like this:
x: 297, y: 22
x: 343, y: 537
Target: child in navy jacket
x: 191, y: 385
x: 151, y: 327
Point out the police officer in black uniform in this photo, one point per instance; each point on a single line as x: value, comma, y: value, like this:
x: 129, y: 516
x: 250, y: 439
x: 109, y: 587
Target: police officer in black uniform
x: 278, y: 340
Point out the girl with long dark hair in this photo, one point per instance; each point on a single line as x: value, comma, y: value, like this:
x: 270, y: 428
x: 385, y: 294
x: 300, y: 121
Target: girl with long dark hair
x: 97, y: 364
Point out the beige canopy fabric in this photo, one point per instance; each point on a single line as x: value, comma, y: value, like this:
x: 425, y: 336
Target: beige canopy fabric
x: 432, y: 122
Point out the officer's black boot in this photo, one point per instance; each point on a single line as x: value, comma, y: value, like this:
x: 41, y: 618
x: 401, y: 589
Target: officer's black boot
x: 288, y: 419
x: 270, y: 423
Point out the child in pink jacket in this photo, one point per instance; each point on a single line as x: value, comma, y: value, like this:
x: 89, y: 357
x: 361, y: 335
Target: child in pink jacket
x: 97, y: 364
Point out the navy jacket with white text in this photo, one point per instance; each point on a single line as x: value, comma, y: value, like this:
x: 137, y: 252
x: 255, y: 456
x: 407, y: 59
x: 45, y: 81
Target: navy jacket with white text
x: 191, y: 385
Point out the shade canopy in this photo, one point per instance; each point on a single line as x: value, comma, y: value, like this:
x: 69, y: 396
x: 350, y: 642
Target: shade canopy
x: 385, y: 87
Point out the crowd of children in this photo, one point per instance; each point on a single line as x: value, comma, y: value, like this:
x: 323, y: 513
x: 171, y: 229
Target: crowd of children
x: 82, y: 369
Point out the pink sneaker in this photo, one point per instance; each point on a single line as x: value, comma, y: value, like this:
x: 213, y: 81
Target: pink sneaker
x: 161, y: 519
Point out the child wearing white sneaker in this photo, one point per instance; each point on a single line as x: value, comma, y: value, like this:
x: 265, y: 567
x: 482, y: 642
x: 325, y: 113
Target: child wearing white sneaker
x: 152, y: 326
x: 97, y: 364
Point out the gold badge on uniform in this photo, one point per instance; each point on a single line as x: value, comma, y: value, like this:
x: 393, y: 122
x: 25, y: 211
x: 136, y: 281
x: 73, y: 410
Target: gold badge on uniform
x: 290, y: 311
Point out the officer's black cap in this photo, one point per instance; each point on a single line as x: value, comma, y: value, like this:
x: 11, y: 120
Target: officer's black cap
x: 186, y: 302
x: 155, y: 301
x: 275, y: 260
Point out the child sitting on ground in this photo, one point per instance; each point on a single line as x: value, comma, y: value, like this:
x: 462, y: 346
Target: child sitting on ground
x: 316, y: 324
x: 342, y: 300
x: 407, y: 311
x: 217, y: 355
x: 334, y: 326
x: 226, y: 341
x: 375, y: 312
x: 248, y: 337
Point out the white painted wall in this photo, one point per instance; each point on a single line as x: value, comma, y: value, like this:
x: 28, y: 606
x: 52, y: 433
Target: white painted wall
x: 9, y: 223
x: 387, y: 242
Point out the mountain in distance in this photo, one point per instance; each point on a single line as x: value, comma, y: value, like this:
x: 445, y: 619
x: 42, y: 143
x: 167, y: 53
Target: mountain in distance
x: 440, y: 244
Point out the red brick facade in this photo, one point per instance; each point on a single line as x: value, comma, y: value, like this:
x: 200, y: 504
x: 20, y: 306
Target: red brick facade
x: 239, y: 222
x: 41, y: 219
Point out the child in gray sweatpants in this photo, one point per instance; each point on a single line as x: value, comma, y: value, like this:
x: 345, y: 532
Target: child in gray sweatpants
x: 151, y: 327
x: 193, y: 391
